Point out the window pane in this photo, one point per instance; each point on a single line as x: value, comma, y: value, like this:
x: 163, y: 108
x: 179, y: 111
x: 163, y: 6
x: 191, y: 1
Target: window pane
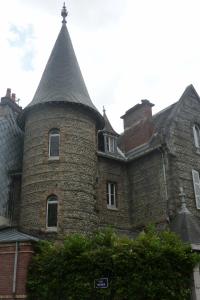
x: 52, y: 214
x: 111, y: 194
x: 54, y: 145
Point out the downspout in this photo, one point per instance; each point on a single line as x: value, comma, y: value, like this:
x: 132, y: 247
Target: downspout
x: 165, y: 181
x: 15, y: 268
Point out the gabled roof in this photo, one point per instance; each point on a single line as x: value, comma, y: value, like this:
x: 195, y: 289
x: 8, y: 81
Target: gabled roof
x: 162, y: 122
x: 8, y: 235
x: 62, y: 80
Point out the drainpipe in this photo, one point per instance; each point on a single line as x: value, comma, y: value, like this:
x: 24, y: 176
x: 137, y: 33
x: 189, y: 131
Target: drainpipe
x: 165, y: 180
x: 15, y: 268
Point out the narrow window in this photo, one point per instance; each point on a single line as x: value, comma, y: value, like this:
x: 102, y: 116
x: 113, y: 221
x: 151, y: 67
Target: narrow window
x: 110, y: 143
x: 196, y: 183
x: 54, y: 143
x: 52, y: 211
x: 111, y: 195
x: 196, y: 133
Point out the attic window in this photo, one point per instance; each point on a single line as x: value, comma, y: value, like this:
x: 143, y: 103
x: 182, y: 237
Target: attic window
x: 54, y: 143
x: 196, y: 133
x: 110, y: 143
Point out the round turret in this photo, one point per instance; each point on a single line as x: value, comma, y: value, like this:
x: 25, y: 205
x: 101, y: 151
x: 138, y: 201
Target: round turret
x: 59, y: 163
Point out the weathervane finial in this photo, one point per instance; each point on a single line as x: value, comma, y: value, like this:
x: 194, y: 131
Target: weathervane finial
x: 64, y: 14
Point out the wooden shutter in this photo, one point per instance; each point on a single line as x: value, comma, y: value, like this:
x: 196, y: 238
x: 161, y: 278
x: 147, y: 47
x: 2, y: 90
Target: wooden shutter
x: 196, y: 182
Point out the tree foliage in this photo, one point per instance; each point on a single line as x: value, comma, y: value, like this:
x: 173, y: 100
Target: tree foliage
x: 151, y: 267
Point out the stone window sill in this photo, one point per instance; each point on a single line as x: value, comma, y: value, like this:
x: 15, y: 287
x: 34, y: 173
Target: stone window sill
x: 52, y: 229
x: 52, y: 158
x: 198, y: 151
x: 112, y: 208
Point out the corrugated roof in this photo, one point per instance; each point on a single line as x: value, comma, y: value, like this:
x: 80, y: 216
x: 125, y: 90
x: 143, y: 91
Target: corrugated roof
x: 13, y: 235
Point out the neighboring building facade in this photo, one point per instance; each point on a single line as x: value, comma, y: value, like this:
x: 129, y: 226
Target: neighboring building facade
x: 64, y: 169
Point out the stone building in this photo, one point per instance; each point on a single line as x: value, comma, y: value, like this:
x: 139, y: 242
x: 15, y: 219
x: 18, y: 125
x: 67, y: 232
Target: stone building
x: 64, y: 169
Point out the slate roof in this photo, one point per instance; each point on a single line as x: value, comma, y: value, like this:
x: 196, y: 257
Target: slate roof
x: 187, y: 226
x: 62, y: 80
x: 8, y: 235
x: 108, y: 127
x: 10, y: 156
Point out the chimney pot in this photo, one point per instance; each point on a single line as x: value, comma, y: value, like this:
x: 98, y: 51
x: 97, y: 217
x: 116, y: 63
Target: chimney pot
x: 8, y: 93
x: 13, y: 97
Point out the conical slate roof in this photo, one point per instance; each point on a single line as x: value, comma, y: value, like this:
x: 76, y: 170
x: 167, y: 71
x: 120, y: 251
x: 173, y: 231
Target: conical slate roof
x: 62, y: 80
x: 108, y: 127
x: 186, y: 225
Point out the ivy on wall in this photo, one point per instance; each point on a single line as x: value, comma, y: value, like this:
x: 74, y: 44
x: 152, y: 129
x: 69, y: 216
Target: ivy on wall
x: 151, y: 267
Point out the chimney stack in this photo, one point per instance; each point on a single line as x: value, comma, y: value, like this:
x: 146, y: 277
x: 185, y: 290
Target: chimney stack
x: 138, y: 126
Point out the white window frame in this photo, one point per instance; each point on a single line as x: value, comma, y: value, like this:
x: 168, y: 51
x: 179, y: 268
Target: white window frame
x: 53, y: 134
x: 111, y: 195
x: 196, y: 133
x: 49, y: 202
x: 110, y: 143
x: 196, y: 184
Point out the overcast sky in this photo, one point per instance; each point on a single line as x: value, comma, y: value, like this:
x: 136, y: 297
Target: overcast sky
x: 128, y: 50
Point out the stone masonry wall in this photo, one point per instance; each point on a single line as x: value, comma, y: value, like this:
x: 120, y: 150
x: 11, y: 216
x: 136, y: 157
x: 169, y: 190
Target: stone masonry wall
x: 71, y: 178
x: 110, y: 170
x: 147, y: 195
x: 186, y: 155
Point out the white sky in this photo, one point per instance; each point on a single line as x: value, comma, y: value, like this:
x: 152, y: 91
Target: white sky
x: 128, y: 50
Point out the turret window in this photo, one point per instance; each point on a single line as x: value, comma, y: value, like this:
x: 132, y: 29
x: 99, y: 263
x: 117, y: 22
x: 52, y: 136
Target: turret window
x: 111, y: 195
x: 54, y: 143
x: 52, y: 212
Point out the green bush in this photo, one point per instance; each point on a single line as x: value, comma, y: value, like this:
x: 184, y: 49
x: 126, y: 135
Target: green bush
x: 155, y: 266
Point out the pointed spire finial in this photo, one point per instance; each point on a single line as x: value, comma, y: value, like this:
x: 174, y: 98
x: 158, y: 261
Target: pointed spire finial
x: 64, y: 13
x: 104, y: 111
x: 183, y: 202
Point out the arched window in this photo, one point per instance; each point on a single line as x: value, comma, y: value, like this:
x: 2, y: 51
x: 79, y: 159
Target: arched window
x: 54, y: 143
x: 52, y: 212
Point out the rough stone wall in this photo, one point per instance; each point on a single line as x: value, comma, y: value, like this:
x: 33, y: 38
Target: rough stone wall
x: 110, y: 170
x: 7, y: 260
x: 71, y: 178
x: 11, y: 140
x: 147, y: 195
x: 186, y: 155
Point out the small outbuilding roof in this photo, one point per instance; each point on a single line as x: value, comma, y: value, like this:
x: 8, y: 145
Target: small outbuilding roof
x: 8, y: 235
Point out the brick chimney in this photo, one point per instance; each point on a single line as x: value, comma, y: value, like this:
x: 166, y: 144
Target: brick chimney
x: 138, y: 126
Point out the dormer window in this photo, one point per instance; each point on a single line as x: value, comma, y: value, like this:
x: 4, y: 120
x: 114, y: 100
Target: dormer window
x: 54, y: 143
x: 110, y: 143
x: 196, y: 133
